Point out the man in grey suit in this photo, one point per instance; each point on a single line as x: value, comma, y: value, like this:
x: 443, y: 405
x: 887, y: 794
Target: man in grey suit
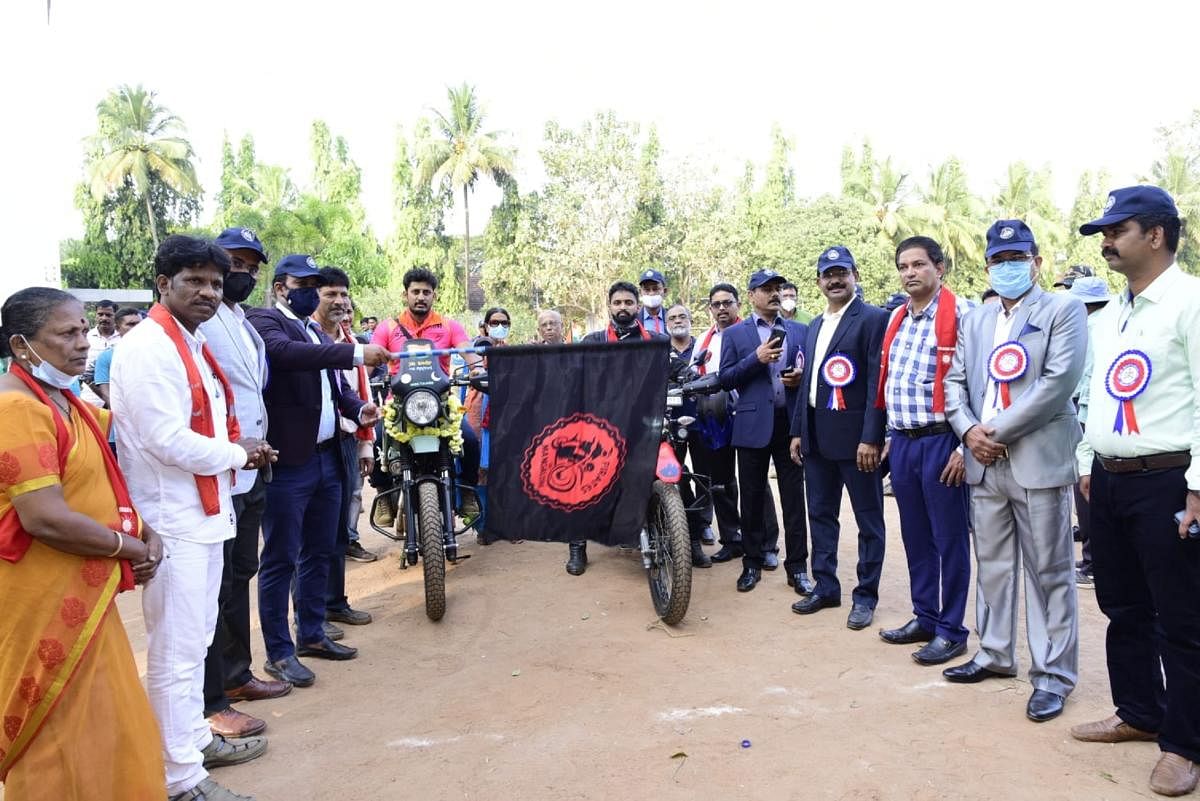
x: 1008, y: 396
x: 238, y: 348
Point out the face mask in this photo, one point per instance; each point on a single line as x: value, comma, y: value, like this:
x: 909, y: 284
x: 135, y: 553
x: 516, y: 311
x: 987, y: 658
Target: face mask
x: 788, y: 304
x: 652, y: 301
x: 303, y: 300
x: 498, y: 331
x: 238, y: 286
x: 1011, y: 279
x: 47, y: 373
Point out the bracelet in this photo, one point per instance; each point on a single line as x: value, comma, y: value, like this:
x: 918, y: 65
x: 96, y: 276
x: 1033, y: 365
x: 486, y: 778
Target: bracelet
x: 120, y: 545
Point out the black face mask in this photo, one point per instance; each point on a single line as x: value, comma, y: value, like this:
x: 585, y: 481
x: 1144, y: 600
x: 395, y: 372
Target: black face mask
x: 238, y: 286
x: 303, y: 300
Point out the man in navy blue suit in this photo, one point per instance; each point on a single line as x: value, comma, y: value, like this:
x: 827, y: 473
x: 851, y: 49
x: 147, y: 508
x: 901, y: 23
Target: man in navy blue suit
x: 304, y: 396
x: 760, y: 359
x: 837, y: 434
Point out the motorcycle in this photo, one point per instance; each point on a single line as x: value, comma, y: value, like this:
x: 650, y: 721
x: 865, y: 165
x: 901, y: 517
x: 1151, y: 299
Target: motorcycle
x: 421, y: 437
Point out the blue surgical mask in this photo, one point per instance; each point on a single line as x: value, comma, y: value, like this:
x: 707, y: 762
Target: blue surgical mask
x: 47, y: 373
x: 498, y: 331
x: 303, y: 301
x: 1011, y: 279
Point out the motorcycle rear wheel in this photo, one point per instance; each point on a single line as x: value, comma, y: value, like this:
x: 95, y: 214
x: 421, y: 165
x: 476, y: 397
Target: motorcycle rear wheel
x: 670, y: 572
x: 433, y: 552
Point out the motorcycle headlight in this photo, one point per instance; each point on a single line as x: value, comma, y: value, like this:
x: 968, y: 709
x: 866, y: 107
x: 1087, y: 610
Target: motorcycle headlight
x: 422, y: 407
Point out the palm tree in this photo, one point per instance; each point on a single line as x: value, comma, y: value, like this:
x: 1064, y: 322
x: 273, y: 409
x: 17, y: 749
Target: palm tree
x: 138, y: 143
x: 1025, y: 194
x: 460, y: 152
x: 1179, y: 174
x: 953, y: 215
x: 884, y: 188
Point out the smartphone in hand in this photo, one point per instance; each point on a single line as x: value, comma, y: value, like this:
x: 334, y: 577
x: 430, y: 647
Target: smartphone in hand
x: 1193, y: 530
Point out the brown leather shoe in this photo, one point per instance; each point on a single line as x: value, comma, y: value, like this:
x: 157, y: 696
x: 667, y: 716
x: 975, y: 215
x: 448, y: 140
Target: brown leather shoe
x: 231, y: 723
x: 1110, y: 730
x: 1174, y: 775
x: 257, y: 689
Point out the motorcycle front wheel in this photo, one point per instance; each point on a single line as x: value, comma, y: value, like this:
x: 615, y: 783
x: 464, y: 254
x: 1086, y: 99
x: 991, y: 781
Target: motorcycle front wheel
x: 433, y: 552
x: 670, y: 572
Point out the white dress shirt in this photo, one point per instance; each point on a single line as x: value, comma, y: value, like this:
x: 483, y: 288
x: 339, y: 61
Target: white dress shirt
x: 1004, y: 322
x: 328, y: 424
x: 830, y: 321
x: 160, y: 453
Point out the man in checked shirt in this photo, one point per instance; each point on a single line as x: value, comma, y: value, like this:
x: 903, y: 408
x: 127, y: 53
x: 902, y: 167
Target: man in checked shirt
x: 926, y: 457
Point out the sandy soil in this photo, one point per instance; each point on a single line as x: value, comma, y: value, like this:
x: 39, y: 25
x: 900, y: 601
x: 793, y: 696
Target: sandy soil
x: 540, y: 685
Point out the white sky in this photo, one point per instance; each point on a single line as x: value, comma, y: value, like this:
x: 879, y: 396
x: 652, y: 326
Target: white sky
x: 1073, y: 85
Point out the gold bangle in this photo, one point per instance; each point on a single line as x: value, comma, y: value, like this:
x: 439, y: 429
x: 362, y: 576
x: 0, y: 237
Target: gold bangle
x: 120, y: 545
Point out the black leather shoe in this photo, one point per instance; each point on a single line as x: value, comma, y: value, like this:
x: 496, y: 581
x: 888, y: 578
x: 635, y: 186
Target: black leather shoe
x: 354, y: 617
x: 801, y: 582
x: 860, y: 617
x: 699, y: 557
x: 1044, y: 705
x: 728, y: 553
x: 971, y: 673
x: 326, y: 648
x: 907, y: 634
x: 706, y: 536
x: 815, y: 603
x: 291, y: 670
x: 770, y: 560
x: 749, y: 578
x: 939, y: 650
x: 577, y: 560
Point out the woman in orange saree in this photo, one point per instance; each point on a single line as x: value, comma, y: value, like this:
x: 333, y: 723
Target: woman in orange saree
x: 76, y: 721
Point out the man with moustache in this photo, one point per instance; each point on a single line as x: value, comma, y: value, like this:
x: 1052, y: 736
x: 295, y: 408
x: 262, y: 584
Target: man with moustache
x: 1140, y: 464
x: 101, y: 338
x: 837, y: 433
x: 239, y: 350
x: 679, y: 326
x: 925, y: 454
x: 1008, y: 396
x: 550, y: 327
x: 179, y: 444
x: 760, y: 359
x: 304, y: 399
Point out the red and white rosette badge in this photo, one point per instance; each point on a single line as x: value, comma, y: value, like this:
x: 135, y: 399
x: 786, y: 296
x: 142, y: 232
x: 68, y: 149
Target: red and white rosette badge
x: 1127, y: 377
x: 1008, y: 362
x: 838, y: 371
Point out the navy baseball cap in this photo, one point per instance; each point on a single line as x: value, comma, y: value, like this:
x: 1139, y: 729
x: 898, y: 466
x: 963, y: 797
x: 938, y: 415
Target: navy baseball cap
x: 1008, y: 235
x: 1128, y: 202
x: 763, y: 277
x: 652, y: 275
x: 836, y: 256
x: 242, y: 239
x: 297, y: 266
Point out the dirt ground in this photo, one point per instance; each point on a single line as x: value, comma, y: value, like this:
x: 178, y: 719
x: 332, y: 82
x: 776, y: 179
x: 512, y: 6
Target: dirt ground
x: 540, y: 685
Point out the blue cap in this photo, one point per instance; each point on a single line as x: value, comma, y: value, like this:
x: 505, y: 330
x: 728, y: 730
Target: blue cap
x: 242, y: 239
x: 836, y: 256
x: 652, y: 275
x: 761, y: 277
x: 1090, y: 289
x: 297, y: 266
x: 1125, y: 203
x: 1008, y: 235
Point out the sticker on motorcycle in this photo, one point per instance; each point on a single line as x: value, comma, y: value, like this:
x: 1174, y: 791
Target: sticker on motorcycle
x: 573, y: 462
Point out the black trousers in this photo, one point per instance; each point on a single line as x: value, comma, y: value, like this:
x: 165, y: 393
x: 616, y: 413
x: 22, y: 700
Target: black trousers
x: 227, y: 664
x: 335, y: 598
x: 1148, y: 585
x: 720, y: 466
x: 752, y: 484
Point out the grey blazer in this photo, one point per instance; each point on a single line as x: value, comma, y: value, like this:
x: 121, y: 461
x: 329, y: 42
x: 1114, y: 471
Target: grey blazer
x: 1040, y: 428
x: 247, y: 374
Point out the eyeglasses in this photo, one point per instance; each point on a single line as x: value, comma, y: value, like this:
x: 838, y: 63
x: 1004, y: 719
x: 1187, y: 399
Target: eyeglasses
x: 722, y: 304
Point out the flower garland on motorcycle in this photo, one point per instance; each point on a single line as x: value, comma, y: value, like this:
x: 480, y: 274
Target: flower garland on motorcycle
x: 449, y: 425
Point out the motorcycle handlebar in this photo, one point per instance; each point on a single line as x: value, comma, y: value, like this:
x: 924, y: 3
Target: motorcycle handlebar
x: 707, y: 385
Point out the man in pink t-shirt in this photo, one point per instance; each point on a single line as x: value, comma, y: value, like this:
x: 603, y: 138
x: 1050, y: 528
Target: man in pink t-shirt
x: 420, y: 321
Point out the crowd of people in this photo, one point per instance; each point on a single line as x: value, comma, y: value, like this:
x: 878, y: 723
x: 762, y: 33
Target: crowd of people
x: 154, y: 451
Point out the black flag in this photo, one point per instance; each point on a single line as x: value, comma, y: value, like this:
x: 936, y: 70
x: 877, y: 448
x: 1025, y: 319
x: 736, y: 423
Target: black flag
x: 575, y: 431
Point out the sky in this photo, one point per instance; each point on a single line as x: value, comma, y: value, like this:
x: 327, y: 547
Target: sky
x: 1071, y: 85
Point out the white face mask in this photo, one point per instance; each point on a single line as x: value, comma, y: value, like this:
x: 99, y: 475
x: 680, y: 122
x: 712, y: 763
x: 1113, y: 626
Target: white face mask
x: 652, y: 301
x: 47, y: 373
x: 788, y: 304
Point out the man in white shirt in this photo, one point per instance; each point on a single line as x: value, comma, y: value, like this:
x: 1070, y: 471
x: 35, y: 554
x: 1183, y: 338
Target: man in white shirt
x: 100, y: 339
x: 177, y: 446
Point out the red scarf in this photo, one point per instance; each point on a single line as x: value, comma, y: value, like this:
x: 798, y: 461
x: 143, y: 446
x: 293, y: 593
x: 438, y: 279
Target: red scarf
x: 202, y: 417
x: 704, y: 343
x: 14, y: 540
x: 945, y: 327
x: 364, y: 433
x: 612, y: 331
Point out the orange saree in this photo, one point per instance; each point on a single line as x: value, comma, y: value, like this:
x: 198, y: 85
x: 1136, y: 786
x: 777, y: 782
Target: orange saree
x: 76, y: 722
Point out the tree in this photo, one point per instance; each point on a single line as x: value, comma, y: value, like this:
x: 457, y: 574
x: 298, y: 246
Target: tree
x: 883, y: 188
x: 957, y: 219
x: 460, y: 152
x: 1025, y: 194
x: 1177, y: 171
x: 137, y: 143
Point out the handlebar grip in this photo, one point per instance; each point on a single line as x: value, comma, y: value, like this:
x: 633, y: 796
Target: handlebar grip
x: 702, y: 386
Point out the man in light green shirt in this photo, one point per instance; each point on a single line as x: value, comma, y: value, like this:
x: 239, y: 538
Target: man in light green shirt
x: 1140, y: 463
